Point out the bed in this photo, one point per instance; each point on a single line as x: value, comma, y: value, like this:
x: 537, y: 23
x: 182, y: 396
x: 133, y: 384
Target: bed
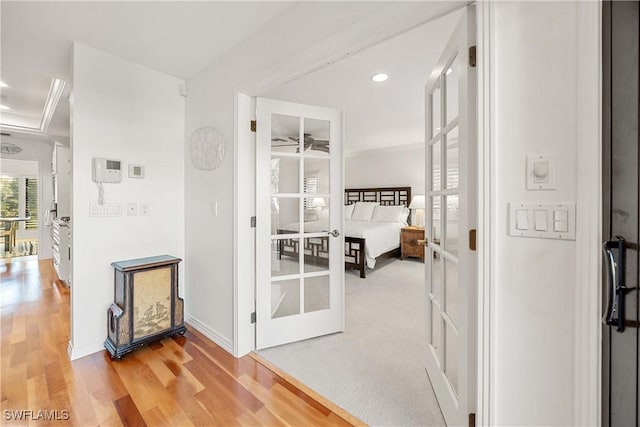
x: 365, y: 241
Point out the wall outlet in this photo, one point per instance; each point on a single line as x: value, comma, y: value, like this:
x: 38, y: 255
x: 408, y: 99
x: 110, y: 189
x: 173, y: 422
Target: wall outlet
x: 132, y: 209
x: 144, y: 209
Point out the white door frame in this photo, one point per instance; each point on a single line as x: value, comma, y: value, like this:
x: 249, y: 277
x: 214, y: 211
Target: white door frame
x: 587, y: 405
x: 587, y: 342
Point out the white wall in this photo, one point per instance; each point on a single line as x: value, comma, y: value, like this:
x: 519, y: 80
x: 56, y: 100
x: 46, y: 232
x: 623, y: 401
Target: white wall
x: 393, y: 167
x: 534, y: 93
x: 39, y: 151
x: 124, y: 111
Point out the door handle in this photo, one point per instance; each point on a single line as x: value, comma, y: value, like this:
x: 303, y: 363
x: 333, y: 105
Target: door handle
x: 614, y: 314
x: 334, y: 233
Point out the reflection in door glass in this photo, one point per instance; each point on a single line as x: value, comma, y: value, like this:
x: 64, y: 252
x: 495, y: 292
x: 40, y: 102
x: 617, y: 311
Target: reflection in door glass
x: 435, y: 111
x: 285, y: 175
x: 451, y: 89
x: 285, y: 215
x: 451, y: 232
x: 451, y: 357
x: 316, y: 137
x: 435, y: 166
x: 436, y: 230
x: 316, y: 254
x: 285, y: 298
x: 452, y: 158
x: 285, y: 259
x: 285, y: 132
x: 451, y: 292
x: 316, y: 293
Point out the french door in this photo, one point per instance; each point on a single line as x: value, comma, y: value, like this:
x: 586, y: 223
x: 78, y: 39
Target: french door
x: 299, y: 206
x: 450, y: 215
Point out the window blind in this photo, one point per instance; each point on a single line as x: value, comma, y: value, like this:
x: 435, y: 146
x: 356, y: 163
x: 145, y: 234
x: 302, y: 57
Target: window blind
x: 31, y: 203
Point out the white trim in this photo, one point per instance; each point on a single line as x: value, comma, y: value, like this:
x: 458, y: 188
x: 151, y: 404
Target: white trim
x: 84, y: 350
x: 243, y: 234
x: 51, y: 103
x: 588, y: 329
x: 214, y: 336
x: 486, y: 217
x: 394, y: 149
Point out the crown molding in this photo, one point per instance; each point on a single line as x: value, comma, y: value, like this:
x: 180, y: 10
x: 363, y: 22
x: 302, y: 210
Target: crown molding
x: 53, y: 98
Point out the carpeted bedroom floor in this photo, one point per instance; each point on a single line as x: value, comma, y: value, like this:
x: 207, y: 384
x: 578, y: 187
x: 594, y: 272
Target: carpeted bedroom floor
x: 375, y: 369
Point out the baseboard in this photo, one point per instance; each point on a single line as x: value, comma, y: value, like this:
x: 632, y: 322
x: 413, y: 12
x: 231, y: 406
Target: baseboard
x: 214, y: 336
x: 84, y: 350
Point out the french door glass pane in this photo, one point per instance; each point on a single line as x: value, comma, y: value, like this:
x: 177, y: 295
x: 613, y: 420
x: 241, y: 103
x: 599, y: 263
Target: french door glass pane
x: 436, y: 274
x: 316, y: 175
x: 451, y: 292
x: 285, y: 175
x: 285, y: 298
x: 316, y: 254
x: 316, y: 293
x: 436, y: 329
x: 435, y: 219
x: 285, y: 131
x: 451, y: 357
x: 436, y: 174
x: 316, y: 137
x: 285, y: 215
x: 284, y: 257
x: 451, y: 232
x: 453, y: 163
x: 435, y: 111
x: 451, y: 89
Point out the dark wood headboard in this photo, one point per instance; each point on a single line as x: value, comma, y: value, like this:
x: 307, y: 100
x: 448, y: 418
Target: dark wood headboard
x: 386, y: 196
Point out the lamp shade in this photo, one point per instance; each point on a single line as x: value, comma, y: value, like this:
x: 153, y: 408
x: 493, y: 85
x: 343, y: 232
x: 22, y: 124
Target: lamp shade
x: 318, y: 202
x: 417, y: 202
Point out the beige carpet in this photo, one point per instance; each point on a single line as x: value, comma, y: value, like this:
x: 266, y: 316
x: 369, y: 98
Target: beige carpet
x: 375, y: 369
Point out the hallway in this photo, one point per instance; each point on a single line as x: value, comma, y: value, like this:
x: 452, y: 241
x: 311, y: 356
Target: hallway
x: 185, y: 381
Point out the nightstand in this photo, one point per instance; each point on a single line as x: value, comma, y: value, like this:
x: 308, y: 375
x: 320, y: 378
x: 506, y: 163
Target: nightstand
x: 409, y: 246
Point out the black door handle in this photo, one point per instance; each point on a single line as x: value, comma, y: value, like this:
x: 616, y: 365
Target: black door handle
x: 614, y: 314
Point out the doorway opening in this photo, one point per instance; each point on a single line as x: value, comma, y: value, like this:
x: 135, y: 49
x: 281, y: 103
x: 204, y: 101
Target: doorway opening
x: 19, y: 189
x: 379, y: 359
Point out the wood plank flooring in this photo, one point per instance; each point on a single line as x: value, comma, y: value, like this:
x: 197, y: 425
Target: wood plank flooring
x: 180, y: 381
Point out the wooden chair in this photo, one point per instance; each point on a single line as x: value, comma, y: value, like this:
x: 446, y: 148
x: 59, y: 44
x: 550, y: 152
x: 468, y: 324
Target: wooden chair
x: 6, y: 233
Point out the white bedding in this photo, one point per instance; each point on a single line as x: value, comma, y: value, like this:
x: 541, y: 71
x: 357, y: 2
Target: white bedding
x: 380, y: 237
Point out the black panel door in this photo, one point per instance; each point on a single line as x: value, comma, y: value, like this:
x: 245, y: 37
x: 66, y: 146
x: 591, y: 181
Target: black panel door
x: 620, y: 212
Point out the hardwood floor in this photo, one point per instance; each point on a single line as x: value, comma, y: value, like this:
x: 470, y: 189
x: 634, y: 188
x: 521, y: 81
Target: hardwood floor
x: 180, y: 381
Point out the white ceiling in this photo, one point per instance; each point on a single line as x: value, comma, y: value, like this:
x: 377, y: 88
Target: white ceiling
x: 378, y: 115
x: 181, y: 38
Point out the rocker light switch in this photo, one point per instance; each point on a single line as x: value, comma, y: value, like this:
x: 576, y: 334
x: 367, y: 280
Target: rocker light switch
x: 540, y: 220
x: 522, y: 219
x: 543, y: 221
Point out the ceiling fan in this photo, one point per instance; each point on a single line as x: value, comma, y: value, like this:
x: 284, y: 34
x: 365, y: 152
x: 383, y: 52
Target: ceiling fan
x: 309, y: 143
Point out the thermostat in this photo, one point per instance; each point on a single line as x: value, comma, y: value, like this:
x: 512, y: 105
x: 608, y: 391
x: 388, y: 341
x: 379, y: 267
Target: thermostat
x: 136, y: 171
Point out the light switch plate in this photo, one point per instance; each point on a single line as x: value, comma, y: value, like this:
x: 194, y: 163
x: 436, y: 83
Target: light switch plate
x: 540, y: 182
x: 542, y: 221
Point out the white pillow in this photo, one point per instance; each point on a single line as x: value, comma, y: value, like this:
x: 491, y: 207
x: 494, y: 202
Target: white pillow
x: 390, y: 214
x: 348, y: 211
x: 363, y: 211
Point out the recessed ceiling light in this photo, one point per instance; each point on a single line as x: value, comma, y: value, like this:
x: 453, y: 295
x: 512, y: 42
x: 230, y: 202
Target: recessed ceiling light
x: 4, y: 107
x: 380, y: 77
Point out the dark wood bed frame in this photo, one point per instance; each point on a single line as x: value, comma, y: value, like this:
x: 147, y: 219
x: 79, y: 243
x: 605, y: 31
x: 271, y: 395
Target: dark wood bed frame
x: 316, y: 250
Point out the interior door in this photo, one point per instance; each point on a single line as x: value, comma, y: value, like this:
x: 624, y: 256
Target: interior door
x: 621, y: 207
x: 450, y: 215
x: 299, y: 241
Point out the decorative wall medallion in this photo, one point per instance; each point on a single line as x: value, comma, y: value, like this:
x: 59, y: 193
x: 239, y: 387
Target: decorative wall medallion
x: 9, y: 148
x: 207, y: 148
